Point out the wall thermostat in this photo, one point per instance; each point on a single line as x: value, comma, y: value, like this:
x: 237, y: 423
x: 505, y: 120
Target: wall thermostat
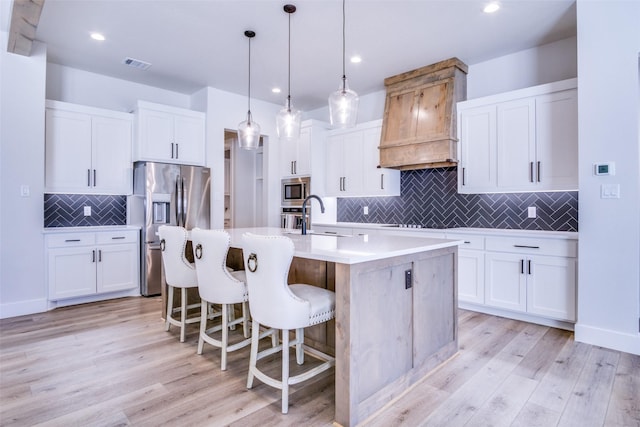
x: 608, y: 168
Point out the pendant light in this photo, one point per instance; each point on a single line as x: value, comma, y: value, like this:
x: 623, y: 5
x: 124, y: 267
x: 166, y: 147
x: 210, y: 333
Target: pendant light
x: 343, y: 103
x: 249, y: 131
x: 288, y: 119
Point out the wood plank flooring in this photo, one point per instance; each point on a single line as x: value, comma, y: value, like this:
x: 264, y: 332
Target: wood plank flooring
x: 111, y: 364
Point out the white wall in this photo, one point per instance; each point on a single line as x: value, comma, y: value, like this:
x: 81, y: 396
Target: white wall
x: 22, y: 91
x: 225, y: 110
x: 85, y: 88
x: 543, y: 64
x: 608, y: 105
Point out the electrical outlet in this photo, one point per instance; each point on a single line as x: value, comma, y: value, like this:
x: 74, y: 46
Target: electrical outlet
x: 87, y: 211
x: 408, y: 279
x: 531, y: 212
x: 25, y: 191
x: 366, y: 210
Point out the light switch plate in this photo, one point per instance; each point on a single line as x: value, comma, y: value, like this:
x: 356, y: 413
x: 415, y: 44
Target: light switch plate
x: 531, y: 212
x: 87, y: 211
x: 366, y: 210
x: 610, y: 191
x: 25, y: 191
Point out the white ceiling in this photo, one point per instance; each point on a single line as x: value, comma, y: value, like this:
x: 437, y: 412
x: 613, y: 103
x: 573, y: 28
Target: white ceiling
x: 193, y: 44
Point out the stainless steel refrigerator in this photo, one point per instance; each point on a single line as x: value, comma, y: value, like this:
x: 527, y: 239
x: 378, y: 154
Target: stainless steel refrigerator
x: 166, y: 194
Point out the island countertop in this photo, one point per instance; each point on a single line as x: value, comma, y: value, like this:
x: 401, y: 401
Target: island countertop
x: 347, y: 249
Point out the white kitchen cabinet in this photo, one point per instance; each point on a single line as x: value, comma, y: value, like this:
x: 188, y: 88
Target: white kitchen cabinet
x: 295, y: 154
x: 88, y: 150
x: 471, y: 263
x: 478, y: 171
x: 352, y: 161
x: 169, y: 134
x: 520, y: 141
x: 377, y: 181
x: 533, y: 276
x: 80, y: 264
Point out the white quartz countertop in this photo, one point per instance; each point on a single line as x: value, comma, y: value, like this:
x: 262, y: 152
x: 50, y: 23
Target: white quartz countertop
x: 92, y: 229
x: 458, y: 230
x: 347, y: 249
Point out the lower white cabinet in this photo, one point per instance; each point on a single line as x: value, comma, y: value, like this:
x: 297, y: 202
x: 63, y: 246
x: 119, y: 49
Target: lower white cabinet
x: 533, y: 276
x: 88, y: 263
x: 470, y: 268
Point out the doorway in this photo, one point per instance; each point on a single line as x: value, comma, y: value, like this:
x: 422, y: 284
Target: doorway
x: 244, y: 188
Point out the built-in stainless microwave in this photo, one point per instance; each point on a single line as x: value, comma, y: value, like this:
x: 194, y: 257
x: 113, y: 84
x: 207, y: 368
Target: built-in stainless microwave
x: 295, y: 190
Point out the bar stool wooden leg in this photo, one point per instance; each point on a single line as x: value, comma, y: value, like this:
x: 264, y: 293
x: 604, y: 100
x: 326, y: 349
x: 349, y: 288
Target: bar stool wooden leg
x: 253, y: 354
x: 225, y: 334
x: 205, y: 308
x: 169, y: 307
x: 299, y: 346
x: 285, y: 371
x: 183, y: 314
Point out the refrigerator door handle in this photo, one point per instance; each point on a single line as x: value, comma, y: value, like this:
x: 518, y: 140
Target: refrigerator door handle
x: 178, y: 200
x: 184, y: 205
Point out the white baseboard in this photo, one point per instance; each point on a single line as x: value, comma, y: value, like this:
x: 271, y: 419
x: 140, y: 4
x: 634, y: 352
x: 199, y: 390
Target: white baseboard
x: 516, y: 315
x: 629, y: 343
x: 22, y: 308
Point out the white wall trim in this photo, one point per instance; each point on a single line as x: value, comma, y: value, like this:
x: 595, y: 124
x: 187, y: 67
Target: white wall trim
x: 629, y: 343
x: 22, y: 308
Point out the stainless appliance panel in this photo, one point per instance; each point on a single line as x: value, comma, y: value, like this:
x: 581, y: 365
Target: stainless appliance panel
x: 166, y: 194
x: 295, y: 190
x: 195, y: 189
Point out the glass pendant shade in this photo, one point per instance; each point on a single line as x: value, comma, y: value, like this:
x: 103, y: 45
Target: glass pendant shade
x: 343, y: 106
x: 249, y: 134
x: 288, y: 121
x: 249, y: 131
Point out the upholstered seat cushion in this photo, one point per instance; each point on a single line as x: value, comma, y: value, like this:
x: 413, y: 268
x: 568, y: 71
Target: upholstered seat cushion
x: 322, y: 302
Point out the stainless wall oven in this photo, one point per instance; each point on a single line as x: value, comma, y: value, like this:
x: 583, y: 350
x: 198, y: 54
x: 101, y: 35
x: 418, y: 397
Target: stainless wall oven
x: 294, y: 191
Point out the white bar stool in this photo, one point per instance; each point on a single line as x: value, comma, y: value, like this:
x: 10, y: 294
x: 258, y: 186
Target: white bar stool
x: 179, y: 273
x: 277, y: 305
x: 219, y: 286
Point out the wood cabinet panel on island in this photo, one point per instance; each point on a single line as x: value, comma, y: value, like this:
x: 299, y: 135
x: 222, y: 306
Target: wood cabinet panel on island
x: 87, y: 150
x: 525, y: 140
x: 82, y: 263
x: 169, y: 134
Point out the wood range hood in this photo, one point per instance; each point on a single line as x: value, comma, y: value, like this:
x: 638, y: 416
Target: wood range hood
x: 419, y: 122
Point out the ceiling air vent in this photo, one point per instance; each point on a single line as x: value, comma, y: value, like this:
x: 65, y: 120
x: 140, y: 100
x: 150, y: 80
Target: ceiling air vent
x: 136, y: 63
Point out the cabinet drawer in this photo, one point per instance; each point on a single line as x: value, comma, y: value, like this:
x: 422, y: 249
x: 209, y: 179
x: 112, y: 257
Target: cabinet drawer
x: 123, y: 236
x: 471, y: 241
x: 70, y: 240
x: 516, y: 245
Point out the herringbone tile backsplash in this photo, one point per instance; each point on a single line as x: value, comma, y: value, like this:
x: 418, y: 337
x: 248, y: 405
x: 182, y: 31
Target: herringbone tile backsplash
x: 67, y: 210
x: 429, y: 197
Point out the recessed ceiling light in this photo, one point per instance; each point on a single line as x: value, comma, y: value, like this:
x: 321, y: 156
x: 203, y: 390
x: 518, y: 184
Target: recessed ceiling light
x: 356, y: 59
x: 491, y: 7
x: 276, y: 90
x: 97, y: 36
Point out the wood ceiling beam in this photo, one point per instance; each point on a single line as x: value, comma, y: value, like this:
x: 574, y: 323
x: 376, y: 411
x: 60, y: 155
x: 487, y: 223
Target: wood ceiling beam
x: 25, y: 16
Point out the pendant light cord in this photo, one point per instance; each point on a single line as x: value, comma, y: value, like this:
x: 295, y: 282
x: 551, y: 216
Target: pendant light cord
x: 249, y: 98
x: 289, y: 76
x: 344, y: 73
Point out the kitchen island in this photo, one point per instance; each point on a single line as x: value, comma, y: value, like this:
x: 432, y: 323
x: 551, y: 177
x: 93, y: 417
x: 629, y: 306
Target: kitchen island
x: 396, y: 310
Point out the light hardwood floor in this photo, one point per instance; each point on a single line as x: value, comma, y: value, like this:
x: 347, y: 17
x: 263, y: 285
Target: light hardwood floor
x: 112, y: 363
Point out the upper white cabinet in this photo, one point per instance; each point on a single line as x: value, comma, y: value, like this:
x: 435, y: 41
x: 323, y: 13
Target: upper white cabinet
x: 295, y: 154
x: 169, y: 134
x: 352, y: 161
x: 525, y: 140
x: 88, y: 150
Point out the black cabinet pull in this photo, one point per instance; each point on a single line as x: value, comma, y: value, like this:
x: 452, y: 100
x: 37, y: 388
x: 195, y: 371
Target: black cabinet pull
x: 99, y: 255
x: 521, y: 266
x: 529, y: 266
x: 94, y: 177
x: 177, y: 152
x: 538, y: 172
x: 72, y: 240
x: 172, y: 150
x: 382, y: 181
x: 88, y: 177
x: 526, y: 246
x: 93, y: 255
x: 531, y: 171
x: 117, y: 238
x: 463, y: 173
